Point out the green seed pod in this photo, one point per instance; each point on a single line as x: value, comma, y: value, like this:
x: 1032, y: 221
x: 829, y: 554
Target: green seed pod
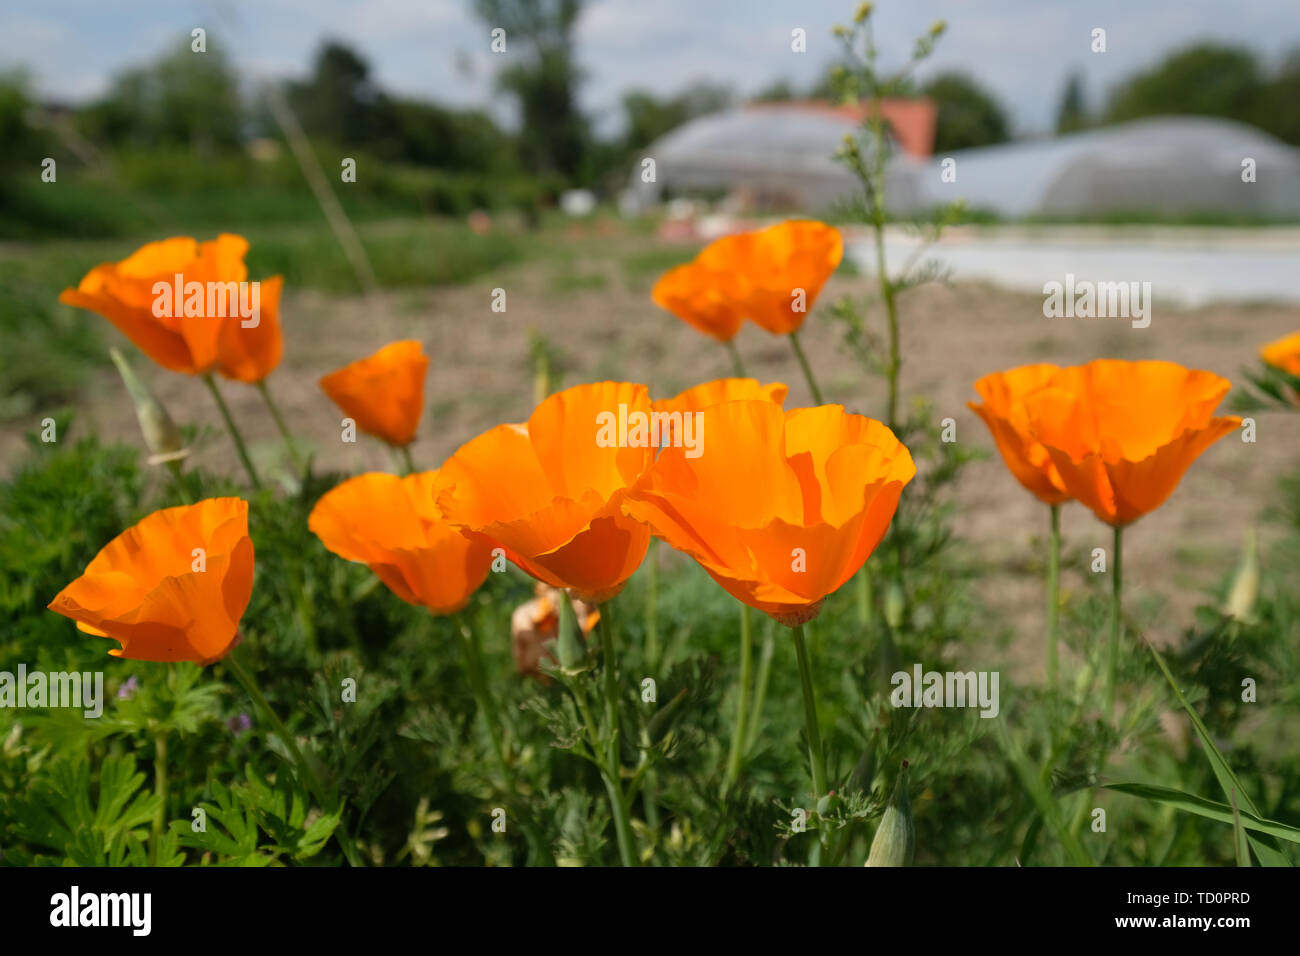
x: 895, y: 838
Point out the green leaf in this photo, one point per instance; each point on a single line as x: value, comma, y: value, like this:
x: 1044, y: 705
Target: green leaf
x: 1206, y: 808
x: 1269, y: 853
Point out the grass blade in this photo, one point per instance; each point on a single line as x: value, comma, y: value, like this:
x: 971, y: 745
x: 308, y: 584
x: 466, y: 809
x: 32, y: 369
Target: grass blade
x: 1266, y: 849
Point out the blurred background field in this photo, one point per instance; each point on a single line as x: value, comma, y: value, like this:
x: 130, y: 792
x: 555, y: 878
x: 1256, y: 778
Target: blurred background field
x: 543, y: 200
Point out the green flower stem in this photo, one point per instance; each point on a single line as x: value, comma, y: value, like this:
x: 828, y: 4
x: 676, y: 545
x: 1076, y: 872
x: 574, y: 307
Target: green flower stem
x: 473, y: 656
x: 816, y: 756
x: 760, y: 687
x: 1053, y: 595
x: 234, y: 431
x: 478, y: 685
x: 274, y: 409
x: 160, y: 788
x: 891, y: 311
x: 291, y: 744
x: 611, y: 756
x: 652, y: 606
x: 807, y: 369
x: 610, y: 776
x: 736, y: 363
x: 405, y: 452
x: 178, y: 480
x: 742, y: 700
x: 1116, y: 619
x: 864, y: 596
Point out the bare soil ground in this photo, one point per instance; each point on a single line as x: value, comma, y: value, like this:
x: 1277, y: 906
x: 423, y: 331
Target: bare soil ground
x: 597, y: 312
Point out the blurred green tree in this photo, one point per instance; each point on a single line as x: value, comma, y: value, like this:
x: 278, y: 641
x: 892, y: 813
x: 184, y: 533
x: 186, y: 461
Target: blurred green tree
x: 1205, y: 80
x: 969, y: 115
x: 339, y: 102
x: 1279, y: 111
x: 647, y: 117
x: 1072, y: 115
x: 542, y: 76
x: 183, y: 99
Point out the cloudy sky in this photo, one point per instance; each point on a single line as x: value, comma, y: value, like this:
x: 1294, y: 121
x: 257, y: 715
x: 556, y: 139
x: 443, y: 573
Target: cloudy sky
x: 1022, y: 49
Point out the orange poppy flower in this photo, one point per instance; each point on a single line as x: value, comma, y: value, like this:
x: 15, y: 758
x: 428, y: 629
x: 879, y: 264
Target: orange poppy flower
x: 392, y: 525
x: 782, y: 507
x: 699, y: 397
x: 1284, y: 354
x: 535, y: 623
x: 195, y: 330
x: 706, y: 394
x: 772, y: 276
x: 1003, y: 411
x: 703, y: 298
x: 384, y: 393
x: 782, y: 269
x: 171, y: 588
x: 550, y: 491
x: 1121, y: 434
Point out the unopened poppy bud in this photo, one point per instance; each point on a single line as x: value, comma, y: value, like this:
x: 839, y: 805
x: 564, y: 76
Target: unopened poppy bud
x: 1245, y: 586
x: 161, y: 436
x: 895, y: 839
x: 894, y: 605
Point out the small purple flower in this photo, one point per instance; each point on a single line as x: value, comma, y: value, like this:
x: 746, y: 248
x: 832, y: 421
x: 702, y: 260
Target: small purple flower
x: 128, y: 688
x: 239, y: 723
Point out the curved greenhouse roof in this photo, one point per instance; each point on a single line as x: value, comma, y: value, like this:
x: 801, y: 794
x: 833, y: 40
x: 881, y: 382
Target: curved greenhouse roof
x: 1166, y: 165
x: 782, y: 154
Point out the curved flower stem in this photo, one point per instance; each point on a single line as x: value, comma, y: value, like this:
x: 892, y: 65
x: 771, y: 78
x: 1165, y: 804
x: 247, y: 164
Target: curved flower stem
x: 234, y: 431
x: 742, y: 701
x: 1116, y: 617
x: 1053, y: 595
x: 304, y: 768
x: 736, y: 363
x: 816, y: 756
x: 160, y: 788
x: 807, y: 369
x: 274, y: 409
x: 406, y: 459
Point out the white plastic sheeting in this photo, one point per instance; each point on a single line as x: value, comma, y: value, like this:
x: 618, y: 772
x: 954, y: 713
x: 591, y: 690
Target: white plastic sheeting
x: 1165, y: 165
x: 782, y: 157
